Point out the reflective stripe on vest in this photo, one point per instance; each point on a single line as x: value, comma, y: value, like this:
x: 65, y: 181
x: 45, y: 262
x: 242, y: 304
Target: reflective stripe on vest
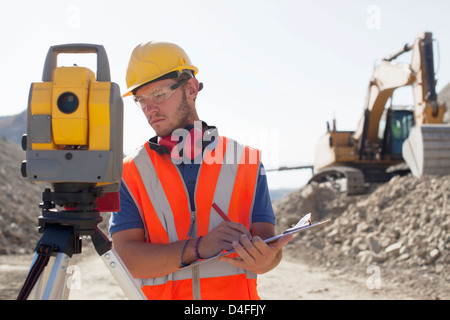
x: 159, y: 192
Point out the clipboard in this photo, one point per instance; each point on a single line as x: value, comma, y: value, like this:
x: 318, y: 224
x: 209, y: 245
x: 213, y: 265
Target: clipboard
x: 302, y: 225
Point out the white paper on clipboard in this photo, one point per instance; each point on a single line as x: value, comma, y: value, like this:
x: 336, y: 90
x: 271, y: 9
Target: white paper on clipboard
x: 303, y: 224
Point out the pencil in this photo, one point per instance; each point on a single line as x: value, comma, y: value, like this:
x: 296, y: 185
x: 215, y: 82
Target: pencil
x: 220, y: 212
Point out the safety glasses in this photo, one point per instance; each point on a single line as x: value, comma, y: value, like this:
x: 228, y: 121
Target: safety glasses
x: 159, y: 94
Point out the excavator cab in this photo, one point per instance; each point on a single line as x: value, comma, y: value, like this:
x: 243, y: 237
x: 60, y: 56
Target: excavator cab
x: 394, y: 128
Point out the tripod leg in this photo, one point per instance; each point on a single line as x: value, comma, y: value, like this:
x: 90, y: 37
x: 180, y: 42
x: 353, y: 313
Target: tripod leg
x: 116, y: 266
x: 47, y: 276
x: 123, y: 277
x: 51, y: 284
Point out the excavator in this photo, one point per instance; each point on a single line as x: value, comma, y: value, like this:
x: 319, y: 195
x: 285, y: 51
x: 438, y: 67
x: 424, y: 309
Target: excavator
x: 390, y: 140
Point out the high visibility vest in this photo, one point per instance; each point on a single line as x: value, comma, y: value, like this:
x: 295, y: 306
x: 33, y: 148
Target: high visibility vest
x: 227, y: 176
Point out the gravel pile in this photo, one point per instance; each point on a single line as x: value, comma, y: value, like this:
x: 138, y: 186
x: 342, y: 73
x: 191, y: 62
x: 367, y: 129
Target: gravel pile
x: 19, y: 203
x: 402, y: 226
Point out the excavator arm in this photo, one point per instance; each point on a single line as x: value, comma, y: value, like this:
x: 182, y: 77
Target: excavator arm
x: 386, y: 77
x: 427, y: 110
x: 390, y: 75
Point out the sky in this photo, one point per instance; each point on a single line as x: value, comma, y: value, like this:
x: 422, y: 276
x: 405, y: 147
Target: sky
x: 274, y: 72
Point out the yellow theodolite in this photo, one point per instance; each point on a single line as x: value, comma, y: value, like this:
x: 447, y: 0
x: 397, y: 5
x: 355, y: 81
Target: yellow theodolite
x: 74, y: 141
x: 74, y: 131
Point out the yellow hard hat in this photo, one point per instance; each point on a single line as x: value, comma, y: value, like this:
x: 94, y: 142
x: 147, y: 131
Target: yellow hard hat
x: 153, y: 60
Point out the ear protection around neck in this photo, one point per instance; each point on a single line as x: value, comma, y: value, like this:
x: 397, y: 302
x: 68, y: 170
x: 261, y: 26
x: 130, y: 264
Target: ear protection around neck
x: 188, y: 142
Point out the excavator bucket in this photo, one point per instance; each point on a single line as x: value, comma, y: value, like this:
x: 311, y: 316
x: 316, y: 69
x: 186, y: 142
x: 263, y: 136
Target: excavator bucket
x: 427, y: 150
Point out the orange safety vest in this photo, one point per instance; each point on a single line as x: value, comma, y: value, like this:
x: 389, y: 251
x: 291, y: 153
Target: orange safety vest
x: 227, y: 176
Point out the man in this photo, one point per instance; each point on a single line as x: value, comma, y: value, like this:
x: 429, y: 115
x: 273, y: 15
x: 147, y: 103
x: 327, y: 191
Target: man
x: 175, y: 185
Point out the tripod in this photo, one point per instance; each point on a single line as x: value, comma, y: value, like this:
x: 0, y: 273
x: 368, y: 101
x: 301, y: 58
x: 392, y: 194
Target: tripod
x: 48, y: 276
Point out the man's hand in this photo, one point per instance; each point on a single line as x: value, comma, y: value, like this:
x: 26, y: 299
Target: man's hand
x: 221, y: 238
x: 256, y: 255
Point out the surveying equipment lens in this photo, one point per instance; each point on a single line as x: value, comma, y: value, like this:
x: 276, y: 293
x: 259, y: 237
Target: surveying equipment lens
x: 68, y: 102
x: 157, y: 95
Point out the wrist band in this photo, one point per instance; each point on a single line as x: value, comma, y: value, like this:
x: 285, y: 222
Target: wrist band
x: 182, y: 252
x: 197, y: 255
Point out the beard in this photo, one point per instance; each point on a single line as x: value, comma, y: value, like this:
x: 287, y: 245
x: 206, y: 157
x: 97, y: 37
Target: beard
x: 183, y: 117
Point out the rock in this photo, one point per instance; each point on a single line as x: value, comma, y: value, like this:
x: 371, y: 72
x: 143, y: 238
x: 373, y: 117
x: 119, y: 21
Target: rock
x: 359, y: 244
x: 421, y: 252
x: 385, y: 242
x: 379, y: 257
x: 363, y: 226
x: 365, y: 256
x: 373, y: 244
x: 433, y: 255
x: 403, y: 257
x: 393, y: 249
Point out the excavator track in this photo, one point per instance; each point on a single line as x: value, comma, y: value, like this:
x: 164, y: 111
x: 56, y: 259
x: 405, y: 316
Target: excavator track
x: 427, y: 150
x: 353, y: 177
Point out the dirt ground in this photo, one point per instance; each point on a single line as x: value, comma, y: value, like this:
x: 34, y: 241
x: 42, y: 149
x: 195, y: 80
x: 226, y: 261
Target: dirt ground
x: 289, y: 281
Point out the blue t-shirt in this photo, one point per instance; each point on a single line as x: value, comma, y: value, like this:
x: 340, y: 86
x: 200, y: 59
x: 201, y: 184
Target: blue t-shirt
x: 129, y: 218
